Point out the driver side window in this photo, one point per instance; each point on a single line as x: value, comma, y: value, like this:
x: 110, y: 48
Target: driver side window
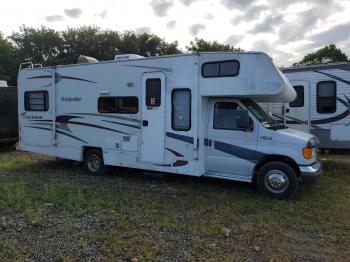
x: 225, y: 115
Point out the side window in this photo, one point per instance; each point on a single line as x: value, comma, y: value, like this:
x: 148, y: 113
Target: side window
x: 36, y: 101
x: 220, y: 68
x: 299, y: 100
x: 153, y: 92
x: 118, y: 105
x: 326, y: 97
x: 181, y: 109
x: 225, y: 115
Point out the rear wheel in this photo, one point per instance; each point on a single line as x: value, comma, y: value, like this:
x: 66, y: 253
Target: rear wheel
x: 93, y: 162
x: 277, y: 180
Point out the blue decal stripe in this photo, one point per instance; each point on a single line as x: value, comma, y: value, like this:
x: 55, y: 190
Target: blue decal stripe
x: 237, y: 151
x: 334, y: 77
x: 60, y: 132
x: 71, y: 136
x: 186, y: 139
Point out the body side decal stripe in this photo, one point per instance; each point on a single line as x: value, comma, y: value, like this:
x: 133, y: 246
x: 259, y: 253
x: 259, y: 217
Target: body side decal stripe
x: 186, y: 139
x: 118, y: 123
x: 96, y: 126
x: 65, y: 134
x: 240, y: 152
x: 58, y: 131
x: 334, y: 77
x: 108, y: 116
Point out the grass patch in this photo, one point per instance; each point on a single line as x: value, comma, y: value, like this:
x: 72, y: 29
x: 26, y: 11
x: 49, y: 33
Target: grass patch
x: 130, y: 215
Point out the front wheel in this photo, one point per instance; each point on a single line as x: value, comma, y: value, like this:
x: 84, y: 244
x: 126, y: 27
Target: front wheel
x: 93, y: 162
x: 277, y: 180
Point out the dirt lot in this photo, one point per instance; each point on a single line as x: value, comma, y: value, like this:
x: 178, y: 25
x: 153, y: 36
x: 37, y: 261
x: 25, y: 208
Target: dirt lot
x: 50, y: 210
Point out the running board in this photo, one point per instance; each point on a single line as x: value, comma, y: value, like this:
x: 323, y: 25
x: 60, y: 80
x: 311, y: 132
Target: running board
x: 228, y: 177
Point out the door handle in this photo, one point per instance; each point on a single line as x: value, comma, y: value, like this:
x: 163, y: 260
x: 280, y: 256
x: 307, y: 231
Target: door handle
x: 287, y: 110
x: 145, y: 122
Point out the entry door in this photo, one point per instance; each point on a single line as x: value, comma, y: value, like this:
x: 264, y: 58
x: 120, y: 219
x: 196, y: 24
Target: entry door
x: 36, y: 117
x: 297, y: 112
x: 153, y: 117
x: 229, y: 150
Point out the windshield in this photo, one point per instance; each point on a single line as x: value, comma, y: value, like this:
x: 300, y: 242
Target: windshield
x: 267, y: 121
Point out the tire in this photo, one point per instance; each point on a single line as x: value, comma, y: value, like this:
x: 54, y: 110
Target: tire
x: 277, y: 180
x: 93, y: 162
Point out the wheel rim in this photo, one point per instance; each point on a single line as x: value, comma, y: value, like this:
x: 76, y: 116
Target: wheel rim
x: 93, y: 163
x: 276, y: 181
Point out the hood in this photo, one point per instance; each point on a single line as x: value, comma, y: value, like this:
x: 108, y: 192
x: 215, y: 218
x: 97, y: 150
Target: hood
x: 292, y: 136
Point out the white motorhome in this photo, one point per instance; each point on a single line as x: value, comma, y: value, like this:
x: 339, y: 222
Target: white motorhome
x: 322, y: 106
x: 192, y: 114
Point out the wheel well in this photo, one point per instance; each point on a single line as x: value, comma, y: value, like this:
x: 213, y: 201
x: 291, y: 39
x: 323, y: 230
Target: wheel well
x: 274, y: 158
x: 86, y: 148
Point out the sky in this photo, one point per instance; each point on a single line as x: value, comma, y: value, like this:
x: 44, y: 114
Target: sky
x: 285, y: 29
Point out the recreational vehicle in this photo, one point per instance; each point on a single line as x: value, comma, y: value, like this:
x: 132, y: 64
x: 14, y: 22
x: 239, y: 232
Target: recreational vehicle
x: 193, y: 114
x: 8, y: 114
x: 322, y: 106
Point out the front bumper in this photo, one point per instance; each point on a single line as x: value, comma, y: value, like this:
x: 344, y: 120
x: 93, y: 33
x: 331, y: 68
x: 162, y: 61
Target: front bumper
x: 310, y: 173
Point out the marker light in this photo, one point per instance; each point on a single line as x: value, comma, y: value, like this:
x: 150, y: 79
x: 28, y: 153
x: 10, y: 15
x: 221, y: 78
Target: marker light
x: 308, y: 152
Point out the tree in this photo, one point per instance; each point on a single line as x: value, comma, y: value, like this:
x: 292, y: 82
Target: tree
x: 200, y: 45
x: 327, y: 54
x: 50, y: 47
x: 9, y: 62
x: 37, y: 45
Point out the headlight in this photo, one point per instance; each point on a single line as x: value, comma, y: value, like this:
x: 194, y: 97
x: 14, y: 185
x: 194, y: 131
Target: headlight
x: 309, y: 152
x: 313, y: 142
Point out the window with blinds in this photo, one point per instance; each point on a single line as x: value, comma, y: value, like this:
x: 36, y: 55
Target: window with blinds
x: 326, y: 97
x: 181, y: 109
x: 36, y: 101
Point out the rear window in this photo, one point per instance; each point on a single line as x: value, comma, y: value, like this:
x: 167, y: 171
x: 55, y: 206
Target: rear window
x: 220, y: 68
x: 36, y: 101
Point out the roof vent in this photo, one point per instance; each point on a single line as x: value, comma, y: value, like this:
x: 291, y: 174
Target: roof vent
x: 86, y: 59
x: 127, y: 57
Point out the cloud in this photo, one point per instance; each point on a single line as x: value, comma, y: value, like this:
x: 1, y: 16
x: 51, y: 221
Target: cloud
x: 306, y: 21
x: 267, y: 25
x: 270, y: 49
x: 188, y: 2
x: 338, y: 33
x: 236, y: 4
x: 103, y: 14
x: 196, y: 28
x: 141, y: 30
x: 208, y: 16
x: 161, y: 7
x: 234, y: 39
x: 54, y: 18
x: 73, y: 13
x: 171, y: 24
x: 252, y: 12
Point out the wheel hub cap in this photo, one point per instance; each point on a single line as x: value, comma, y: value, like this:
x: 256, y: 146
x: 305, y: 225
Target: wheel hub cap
x: 93, y: 163
x: 276, y: 181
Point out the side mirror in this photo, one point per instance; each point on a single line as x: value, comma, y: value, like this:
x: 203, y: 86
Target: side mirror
x: 242, y: 119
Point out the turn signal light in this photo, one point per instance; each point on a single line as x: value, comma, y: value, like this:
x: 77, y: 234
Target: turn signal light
x: 308, y: 152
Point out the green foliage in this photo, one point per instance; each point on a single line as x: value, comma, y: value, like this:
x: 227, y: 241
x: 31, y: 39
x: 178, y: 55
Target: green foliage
x: 50, y: 47
x: 327, y: 54
x: 8, y: 61
x: 200, y: 45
